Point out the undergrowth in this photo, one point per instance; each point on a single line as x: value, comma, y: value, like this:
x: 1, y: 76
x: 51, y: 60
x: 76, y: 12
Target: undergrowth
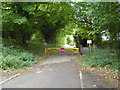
x: 102, y: 58
x: 14, y: 58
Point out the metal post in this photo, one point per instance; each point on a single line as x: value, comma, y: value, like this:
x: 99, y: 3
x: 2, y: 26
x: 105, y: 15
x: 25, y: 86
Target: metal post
x: 89, y: 48
x: 45, y: 50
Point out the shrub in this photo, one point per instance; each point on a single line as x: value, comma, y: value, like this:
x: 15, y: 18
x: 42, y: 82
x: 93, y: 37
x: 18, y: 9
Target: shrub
x: 102, y: 58
x: 15, y: 58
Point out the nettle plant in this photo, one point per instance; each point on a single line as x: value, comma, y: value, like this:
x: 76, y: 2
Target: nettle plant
x: 14, y: 58
x: 102, y: 58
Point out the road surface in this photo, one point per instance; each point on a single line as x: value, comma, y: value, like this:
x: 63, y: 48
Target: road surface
x: 60, y: 71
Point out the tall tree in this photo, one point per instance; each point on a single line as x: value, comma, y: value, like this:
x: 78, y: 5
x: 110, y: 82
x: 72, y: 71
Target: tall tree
x: 17, y: 18
x: 25, y: 18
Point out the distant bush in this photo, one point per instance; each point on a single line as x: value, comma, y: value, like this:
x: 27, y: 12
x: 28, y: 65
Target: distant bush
x: 15, y: 58
x: 103, y: 58
x: 69, y: 40
x: 111, y: 44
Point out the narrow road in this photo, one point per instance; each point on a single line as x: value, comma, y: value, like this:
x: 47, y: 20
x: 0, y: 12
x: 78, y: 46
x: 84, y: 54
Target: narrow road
x: 60, y: 71
x: 55, y: 72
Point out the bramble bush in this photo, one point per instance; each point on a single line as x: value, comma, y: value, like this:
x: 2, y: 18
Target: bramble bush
x: 103, y: 58
x: 15, y: 58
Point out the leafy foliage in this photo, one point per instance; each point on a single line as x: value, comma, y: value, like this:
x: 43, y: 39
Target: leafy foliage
x: 68, y: 40
x: 95, y: 18
x: 21, y: 20
x: 103, y: 58
x: 14, y: 58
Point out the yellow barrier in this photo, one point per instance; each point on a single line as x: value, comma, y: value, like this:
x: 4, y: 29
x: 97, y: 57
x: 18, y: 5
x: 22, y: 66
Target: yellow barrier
x: 56, y: 50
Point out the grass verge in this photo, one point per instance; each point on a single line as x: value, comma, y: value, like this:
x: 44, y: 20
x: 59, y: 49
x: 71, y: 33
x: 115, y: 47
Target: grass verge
x: 102, y: 60
x: 16, y: 58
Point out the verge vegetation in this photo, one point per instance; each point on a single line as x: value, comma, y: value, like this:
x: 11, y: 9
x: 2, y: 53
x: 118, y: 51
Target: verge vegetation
x: 16, y: 58
x: 102, y: 58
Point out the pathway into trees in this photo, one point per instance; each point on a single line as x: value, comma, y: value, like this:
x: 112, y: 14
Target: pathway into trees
x: 30, y: 27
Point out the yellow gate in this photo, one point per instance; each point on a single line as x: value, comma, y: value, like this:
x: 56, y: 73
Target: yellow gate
x: 56, y: 50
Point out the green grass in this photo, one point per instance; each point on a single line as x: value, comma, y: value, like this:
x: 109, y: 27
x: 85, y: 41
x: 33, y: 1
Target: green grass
x: 14, y: 58
x: 102, y: 58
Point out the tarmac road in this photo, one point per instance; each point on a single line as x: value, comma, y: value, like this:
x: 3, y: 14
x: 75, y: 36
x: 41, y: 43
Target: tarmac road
x: 55, y: 72
x: 60, y: 71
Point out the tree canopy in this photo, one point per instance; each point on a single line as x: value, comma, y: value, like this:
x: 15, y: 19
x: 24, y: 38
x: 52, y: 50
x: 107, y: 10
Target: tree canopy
x: 24, y: 19
x: 88, y: 19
